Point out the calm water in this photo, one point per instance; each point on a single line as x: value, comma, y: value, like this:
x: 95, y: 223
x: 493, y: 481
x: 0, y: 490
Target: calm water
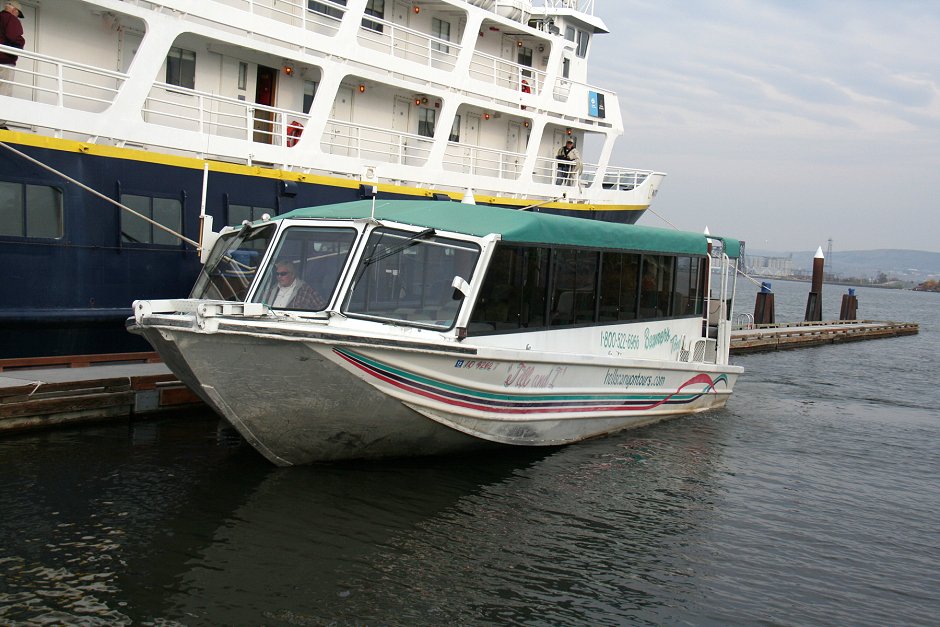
x: 814, y: 498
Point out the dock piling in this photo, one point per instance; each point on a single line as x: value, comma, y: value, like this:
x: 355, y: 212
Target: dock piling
x: 849, y: 309
x: 814, y: 300
x: 764, y: 305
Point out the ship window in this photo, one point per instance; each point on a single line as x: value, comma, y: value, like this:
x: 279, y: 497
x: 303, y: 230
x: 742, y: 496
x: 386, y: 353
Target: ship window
x: 324, y: 8
x: 30, y: 210
x: 408, y: 277
x: 565, y: 67
x: 239, y: 213
x: 569, y: 33
x: 426, y: 118
x: 181, y: 68
x: 455, y: 130
x: 242, y: 75
x: 525, y: 57
x: 687, y: 299
x: 441, y: 30
x: 165, y: 211
x: 310, y: 90
x: 375, y: 8
x: 583, y: 39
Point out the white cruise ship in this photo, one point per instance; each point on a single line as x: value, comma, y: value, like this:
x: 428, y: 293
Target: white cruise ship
x: 239, y: 108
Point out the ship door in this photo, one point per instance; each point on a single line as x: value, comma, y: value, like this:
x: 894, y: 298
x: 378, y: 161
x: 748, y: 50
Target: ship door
x: 513, y: 164
x: 338, y: 129
x: 265, y: 87
x: 471, y: 141
x: 401, y: 118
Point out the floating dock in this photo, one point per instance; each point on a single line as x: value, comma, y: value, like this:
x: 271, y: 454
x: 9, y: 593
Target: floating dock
x: 50, y: 391
x: 782, y: 336
x: 47, y: 392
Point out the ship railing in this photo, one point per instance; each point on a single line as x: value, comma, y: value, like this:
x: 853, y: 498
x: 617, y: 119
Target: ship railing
x: 49, y: 80
x: 345, y: 139
x: 505, y: 73
x: 621, y: 179
x: 581, y: 6
x: 191, y: 110
x: 567, y: 89
x: 408, y: 44
x: 319, y: 16
x: 472, y: 159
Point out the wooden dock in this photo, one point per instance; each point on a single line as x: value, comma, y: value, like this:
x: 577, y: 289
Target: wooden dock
x: 42, y: 397
x: 783, y: 336
x: 51, y: 391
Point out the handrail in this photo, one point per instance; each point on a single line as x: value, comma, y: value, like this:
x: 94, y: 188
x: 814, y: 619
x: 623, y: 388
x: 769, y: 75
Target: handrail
x: 506, y: 73
x: 473, y: 159
x: 394, y: 39
x: 375, y: 143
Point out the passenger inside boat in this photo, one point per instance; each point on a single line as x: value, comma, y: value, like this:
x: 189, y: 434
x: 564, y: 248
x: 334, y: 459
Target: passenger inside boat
x: 292, y: 292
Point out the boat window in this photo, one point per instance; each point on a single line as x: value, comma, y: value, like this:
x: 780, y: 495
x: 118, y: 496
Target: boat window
x: 620, y: 274
x: 656, y: 286
x: 455, y: 129
x: 305, y: 268
x: 324, y: 8
x: 165, y: 211
x: 687, y: 299
x: 441, y: 30
x: 574, y: 274
x: 233, y: 264
x: 375, y: 8
x: 30, y: 210
x: 426, y: 118
x: 583, y: 39
x: 181, y: 68
x: 408, y: 277
x: 513, y: 293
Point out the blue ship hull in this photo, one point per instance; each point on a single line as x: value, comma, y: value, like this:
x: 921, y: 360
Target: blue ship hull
x: 71, y: 295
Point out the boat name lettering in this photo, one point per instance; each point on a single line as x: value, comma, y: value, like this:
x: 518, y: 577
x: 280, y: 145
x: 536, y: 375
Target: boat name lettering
x: 652, y: 340
x: 621, y: 340
x: 627, y: 379
x: 522, y: 375
x: 476, y: 364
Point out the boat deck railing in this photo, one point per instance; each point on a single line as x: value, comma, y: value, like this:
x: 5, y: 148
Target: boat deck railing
x: 323, y: 16
x: 623, y: 179
x: 408, y: 44
x: 506, y: 73
x: 471, y: 159
x: 345, y: 139
x: 50, y: 80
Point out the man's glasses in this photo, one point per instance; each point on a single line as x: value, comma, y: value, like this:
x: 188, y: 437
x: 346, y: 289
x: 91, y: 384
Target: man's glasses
x: 282, y: 273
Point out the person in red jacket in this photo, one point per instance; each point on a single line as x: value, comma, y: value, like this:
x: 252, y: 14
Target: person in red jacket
x: 11, y: 34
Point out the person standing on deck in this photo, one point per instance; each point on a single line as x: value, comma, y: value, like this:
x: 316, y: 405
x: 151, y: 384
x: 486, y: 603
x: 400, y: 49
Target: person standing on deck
x: 11, y: 34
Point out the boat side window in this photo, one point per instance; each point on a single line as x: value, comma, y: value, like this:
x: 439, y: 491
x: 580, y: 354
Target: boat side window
x: 656, y: 286
x: 305, y: 268
x: 233, y: 264
x: 30, y: 210
x: 181, y: 68
x: 426, y: 118
x: 375, y: 8
x: 513, y: 293
x: 620, y: 273
x: 574, y: 286
x: 407, y: 277
x: 687, y: 299
x: 165, y: 211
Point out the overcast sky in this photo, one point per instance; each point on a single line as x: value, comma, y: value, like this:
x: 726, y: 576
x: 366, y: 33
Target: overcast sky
x: 782, y: 122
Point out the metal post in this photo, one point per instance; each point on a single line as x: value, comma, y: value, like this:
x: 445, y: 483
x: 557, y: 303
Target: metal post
x: 764, y: 305
x: 814, y: 301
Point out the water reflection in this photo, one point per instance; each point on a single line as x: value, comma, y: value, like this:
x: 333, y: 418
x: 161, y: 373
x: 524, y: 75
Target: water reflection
x: 179, y: 520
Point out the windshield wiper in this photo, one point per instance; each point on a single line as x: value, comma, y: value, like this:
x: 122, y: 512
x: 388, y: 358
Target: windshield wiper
x: 408, y: 243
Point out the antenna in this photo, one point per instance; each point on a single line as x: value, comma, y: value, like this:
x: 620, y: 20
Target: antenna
x: 375, y: 192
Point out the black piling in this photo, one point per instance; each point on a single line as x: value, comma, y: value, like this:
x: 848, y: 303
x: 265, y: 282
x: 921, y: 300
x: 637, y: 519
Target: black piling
x: 764, y: 305
x: 849, y: 309
x: 814, y: 301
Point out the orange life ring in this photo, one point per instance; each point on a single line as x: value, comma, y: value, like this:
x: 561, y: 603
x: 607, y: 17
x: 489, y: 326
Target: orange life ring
x: 294, y: 130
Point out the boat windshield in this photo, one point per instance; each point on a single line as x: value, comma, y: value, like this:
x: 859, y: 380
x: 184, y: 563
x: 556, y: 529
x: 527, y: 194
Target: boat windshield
x: 305, y: 268
x: 233, y: 264
x: 408, y: 277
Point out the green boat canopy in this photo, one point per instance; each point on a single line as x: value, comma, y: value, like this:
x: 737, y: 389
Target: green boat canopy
x: 520, y: 227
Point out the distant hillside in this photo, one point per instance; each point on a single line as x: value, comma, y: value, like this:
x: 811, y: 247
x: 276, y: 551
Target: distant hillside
x: 908, y: 265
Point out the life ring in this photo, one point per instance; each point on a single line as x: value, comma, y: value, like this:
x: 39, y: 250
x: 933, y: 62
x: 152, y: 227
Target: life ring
x: 294, y: 130
x: 525, y: 87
